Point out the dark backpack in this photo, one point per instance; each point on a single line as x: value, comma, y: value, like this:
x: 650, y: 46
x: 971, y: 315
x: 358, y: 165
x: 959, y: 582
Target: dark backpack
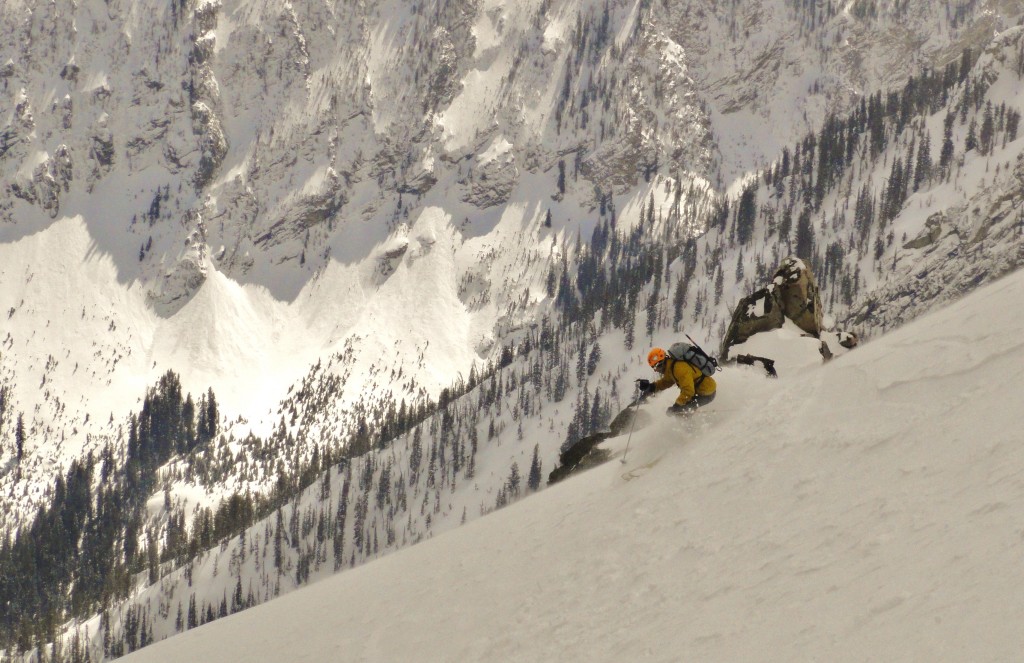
x: 693, y: 355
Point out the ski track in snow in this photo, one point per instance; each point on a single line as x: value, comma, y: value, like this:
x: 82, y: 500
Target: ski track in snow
x: 830, y: 515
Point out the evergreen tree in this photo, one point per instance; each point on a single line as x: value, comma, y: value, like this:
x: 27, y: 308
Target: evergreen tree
x: 4, y: 398
x: 1012, y: 122
x: 678, y: 303
x: 895, y: 191
x: 864, y: 212
x: 581, y: 364
x: 594, y: 359
x: 535, y: 469
x: 746, y: 215
x: 193, y: 614
x: 209, y: 415
x: 473, y: 444
x: 153, y: 557
x: 514, y: 480
x: 987, y: 134
x: 946, y: 154
x: 971, y: 141
x: 786, y: 223
x: 630, y: 329
x: 416, y: 455
x: 279, y: 541
x: 923, y: 168
x: 237, y: 600
x: 652, y: 312
x: 19, y: 437
x: 805, y: 236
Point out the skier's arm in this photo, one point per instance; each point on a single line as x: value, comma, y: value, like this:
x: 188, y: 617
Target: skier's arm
x: 664, y: 382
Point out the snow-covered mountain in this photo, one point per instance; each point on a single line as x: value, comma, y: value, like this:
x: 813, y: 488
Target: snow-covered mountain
x: 349, y: 227
x: 865, y: 509
x: 292, y: 155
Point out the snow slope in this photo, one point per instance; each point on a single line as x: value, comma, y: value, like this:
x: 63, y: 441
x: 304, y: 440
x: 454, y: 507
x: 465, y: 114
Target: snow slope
x: 865, y: 510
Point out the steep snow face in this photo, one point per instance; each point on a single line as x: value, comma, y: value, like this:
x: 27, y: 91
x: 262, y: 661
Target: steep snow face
x: 849, y: 508
x: 79, y: 359
x: 72, y: 355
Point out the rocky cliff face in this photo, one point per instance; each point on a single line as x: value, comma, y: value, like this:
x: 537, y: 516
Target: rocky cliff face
x: 286, y: 123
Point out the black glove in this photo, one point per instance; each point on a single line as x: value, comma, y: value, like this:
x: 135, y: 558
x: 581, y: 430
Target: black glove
x: 646, y: 387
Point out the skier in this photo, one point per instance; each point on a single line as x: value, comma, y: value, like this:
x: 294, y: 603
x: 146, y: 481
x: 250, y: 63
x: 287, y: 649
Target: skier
x: 695, y: 388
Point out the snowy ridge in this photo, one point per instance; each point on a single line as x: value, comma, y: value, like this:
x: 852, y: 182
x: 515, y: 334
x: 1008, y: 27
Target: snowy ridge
x: 786, y: 522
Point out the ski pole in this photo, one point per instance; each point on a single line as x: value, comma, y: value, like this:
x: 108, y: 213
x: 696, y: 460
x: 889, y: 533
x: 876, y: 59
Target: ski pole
x: 632, y: 423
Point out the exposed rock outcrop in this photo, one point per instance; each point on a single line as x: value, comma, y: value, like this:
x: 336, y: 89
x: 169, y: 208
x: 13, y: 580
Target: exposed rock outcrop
x: 798, y: 293
x: 204, y: 93
x: 792, y: 295
x: 183, y: 277
x: 930, y: 234
x: 212, y: 143
x: 49, y: 180
x: 493, y: 178
x: 755, y: 313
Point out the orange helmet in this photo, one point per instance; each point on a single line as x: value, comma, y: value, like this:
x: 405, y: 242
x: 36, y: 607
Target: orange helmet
x: 655, y: 357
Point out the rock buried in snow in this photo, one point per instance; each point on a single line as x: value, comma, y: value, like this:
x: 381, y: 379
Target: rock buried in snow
x: 591, y: 457
x: 584, y: 453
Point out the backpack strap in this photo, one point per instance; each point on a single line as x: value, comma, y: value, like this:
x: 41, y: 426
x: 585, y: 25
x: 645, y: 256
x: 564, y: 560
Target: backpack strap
x: 671, y: 368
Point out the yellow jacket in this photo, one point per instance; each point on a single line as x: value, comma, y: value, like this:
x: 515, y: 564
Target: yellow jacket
x: 685, y: 376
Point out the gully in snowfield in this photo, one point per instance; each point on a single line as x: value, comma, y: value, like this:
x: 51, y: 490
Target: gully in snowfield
x: 687, y: 367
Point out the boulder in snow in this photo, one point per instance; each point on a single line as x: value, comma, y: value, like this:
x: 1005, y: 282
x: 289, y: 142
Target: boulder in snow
x: 755, y: 313
x: 931, y: 233
x: 791, y: 301
x: 798, y: 294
